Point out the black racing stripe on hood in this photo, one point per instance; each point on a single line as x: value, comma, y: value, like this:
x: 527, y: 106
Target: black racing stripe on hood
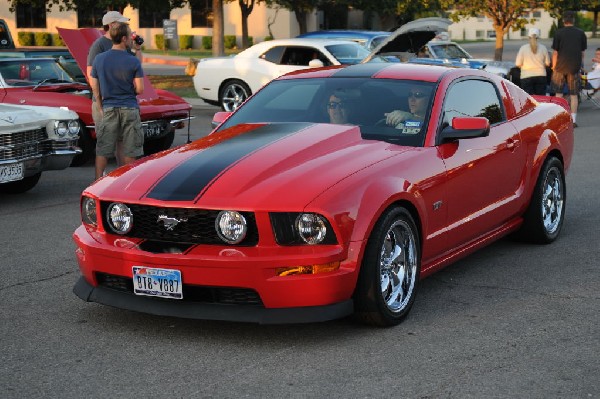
x: 192, y: 177
x: 366, y: 70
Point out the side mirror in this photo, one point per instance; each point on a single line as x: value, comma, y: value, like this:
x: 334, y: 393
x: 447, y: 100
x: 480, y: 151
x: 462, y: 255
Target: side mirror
x: 316, y: 63
x: 219, y: 118
x: 466, y: 128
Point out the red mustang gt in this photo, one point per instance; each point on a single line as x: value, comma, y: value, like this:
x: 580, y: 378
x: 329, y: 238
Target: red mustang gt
x: 280, y: 215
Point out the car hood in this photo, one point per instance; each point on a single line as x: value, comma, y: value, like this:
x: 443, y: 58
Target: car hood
x: 280, y: 166
x: 410, y: 37
x: 79, y: 42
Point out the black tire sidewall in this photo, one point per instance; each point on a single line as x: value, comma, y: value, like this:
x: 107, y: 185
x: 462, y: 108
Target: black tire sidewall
x: 368, y: 298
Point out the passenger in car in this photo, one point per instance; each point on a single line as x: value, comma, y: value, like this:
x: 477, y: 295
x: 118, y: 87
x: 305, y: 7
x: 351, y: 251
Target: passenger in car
x: 410, y: 122
x: 338, y: 109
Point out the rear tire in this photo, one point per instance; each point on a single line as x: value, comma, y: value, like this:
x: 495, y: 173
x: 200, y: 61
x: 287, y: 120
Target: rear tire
x: 544, y: 217
x: 20, y: 186
x: 389, y: 274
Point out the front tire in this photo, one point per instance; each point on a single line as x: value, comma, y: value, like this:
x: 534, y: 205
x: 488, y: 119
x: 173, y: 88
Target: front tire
x: 544, y: 217
x: 389, y: 275
x: 20, y: 186
x: 233, y: 93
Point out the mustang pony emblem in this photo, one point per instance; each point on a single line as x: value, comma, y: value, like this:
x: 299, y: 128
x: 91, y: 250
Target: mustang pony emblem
x: 170, y: 222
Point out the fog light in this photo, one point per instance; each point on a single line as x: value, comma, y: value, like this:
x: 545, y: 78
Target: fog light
x: 120, y: 218
x: 312, y: 269
x: 231, y: 226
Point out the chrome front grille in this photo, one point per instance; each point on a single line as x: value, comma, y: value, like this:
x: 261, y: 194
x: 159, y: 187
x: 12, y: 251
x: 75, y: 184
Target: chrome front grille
x: 22, y: 145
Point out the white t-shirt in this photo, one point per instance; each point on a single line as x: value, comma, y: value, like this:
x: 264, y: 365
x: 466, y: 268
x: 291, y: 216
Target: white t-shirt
x: 533, y: 64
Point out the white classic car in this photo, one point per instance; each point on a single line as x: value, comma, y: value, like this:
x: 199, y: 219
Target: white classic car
x: 34, y: 139
x: 228, y: 81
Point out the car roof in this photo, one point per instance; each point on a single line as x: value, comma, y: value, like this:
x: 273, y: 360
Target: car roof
x: 345, y: 33
x: 263, y: 46
x: 383, y: 70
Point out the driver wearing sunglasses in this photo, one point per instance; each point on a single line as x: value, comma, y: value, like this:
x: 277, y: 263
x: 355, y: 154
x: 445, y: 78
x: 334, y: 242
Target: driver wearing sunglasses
x: 410, y: 122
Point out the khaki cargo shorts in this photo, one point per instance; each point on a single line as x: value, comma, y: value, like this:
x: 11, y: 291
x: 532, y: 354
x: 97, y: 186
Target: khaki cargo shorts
x: 120, y: 124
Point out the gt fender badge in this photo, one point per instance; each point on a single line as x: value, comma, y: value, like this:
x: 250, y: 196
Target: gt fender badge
x: 168, y: 222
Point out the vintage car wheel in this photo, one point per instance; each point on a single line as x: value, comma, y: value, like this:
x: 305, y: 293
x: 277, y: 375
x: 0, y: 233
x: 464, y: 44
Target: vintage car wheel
x: 233, y: 93
x: 17, y: 187
x: 87, y: 145
x: 389, y: 275
x: 161, y: 144
x: 546, y: 212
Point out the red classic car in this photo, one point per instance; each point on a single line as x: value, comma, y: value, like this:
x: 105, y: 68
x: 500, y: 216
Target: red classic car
x: 44, y: 81
x: 281, y: 216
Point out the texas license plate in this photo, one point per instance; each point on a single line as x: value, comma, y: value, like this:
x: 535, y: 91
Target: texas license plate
x: 164, y: 283
x: 153, y: 130
x: 11, y: 172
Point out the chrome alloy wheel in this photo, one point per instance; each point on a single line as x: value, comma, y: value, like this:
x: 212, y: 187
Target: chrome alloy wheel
x: 552, y: 200
x: 398, y: 266
x: 233, y: 96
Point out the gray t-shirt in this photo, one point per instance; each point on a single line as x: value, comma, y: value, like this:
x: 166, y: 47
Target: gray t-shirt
x: 101, y: 45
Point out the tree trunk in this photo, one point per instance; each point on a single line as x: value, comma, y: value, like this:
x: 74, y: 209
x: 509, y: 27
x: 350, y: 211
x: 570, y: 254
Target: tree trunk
x: 499, y: 43
x: 301, y: 18
x: 218, y: 45
x: 246, y: 9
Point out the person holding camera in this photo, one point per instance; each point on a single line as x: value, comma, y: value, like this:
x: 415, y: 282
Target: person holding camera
x: 116, y: 79
x: 105, y: 43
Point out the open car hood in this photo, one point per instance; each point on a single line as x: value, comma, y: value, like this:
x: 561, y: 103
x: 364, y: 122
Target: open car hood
x: 79, y: 41
x: 410, y: 37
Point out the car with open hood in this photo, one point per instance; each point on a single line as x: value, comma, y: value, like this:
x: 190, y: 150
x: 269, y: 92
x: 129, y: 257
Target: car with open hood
x: 426, y: 41
x: 283, y: 214
x: 46, y: 82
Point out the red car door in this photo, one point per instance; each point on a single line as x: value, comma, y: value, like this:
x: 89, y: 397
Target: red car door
x: 485, y: 174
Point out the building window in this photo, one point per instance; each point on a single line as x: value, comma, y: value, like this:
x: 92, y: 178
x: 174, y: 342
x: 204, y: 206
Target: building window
x: 202, y: 13
x: 31, y: 16
x: 479, y: 34
x: 150, y: 18
x: 537, y: 14
x: 90, y: 17
x: 480, y: 17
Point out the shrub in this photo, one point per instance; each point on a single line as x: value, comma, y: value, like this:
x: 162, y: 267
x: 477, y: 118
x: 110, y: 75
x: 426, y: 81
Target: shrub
x: 186, y: 42
x: 267, y: 38
x: 159, y: 39
x: 207, y: 42
x: 25, y: 38
x: 42, y: 39
x: 57, y: 40
x: 250, y: 41
x: 230, y: 41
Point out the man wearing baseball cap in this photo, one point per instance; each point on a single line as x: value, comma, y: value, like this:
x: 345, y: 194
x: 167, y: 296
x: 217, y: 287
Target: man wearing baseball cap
x: 102, y: 44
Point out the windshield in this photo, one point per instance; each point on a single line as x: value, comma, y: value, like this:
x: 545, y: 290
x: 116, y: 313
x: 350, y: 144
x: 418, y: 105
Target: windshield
x: 351, y: 53
x: 448, y: 50
x: 365, y: 102
x: 33, y: 72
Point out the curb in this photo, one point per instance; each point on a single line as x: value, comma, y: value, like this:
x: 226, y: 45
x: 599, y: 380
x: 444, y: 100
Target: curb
x: 156, y: 60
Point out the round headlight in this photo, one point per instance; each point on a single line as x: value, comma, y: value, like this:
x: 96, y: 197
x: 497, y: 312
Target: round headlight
x: 311, y: 228
x: 120, y: 218
x: 88, y: 211
x: 73, y: 127
x: 231, y: 226
x: 61, y: 128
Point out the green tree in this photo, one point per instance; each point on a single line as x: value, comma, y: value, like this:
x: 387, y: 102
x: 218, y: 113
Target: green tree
x: 301, y: 8
x: 505, y: 15
x: 246, y: 7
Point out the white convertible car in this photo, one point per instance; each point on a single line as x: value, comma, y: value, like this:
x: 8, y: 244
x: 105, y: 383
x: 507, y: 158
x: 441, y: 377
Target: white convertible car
x: 228, y: 81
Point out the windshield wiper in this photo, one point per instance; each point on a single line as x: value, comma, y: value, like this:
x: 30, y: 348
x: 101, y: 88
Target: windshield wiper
x: 49, y: 80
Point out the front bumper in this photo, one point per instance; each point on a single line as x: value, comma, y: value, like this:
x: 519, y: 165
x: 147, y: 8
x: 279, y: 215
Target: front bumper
x: 255, y: 293
x: 210, y: 311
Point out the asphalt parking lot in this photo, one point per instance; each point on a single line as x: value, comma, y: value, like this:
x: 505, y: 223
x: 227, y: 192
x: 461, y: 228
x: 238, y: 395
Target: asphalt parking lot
x: 510, y: 321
